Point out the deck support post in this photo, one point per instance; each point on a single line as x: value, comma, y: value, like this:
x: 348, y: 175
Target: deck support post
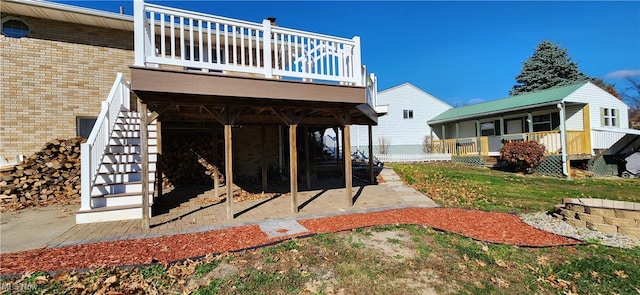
x: 307, y: 160
x: 343, y: 142
x: 336, y: 130
x: 228, y: 165
x: 293, y: 167
x: 347, y: 164
x: 144, y: 151
x: 159, y: 159
x: 216, y: 172
x: 530, y: 124
x: 263, y: 163
x: 372, y: 173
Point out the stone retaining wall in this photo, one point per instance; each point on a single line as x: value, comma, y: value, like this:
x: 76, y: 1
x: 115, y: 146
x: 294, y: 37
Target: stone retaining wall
x: 606, y: 216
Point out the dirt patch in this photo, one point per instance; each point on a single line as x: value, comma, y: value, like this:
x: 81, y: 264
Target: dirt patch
x: 396, y: 245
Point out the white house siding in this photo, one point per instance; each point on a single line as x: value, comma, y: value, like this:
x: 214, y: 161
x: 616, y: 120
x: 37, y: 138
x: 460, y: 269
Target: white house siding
x: 574, y: 118
x: 598, y: 98
x: 405, y: 136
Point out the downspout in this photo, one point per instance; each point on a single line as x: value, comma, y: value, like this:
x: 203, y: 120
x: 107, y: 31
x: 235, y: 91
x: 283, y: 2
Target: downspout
x: 563, y: 141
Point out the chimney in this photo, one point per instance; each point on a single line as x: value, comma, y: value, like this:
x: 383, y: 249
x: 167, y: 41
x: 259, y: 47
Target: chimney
x: 121, y: 9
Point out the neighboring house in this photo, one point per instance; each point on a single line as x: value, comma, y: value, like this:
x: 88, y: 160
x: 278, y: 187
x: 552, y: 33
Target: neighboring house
x: 254, y: 93
x: 402, y: 128
x: 567, y: 120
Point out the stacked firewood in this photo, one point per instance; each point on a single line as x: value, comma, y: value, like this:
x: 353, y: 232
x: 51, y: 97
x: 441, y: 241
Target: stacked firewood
x: 50, y: 176
x: 180, y: 162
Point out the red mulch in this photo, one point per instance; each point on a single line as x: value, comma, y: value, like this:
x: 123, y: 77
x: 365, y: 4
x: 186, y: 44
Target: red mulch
x: 485, y: 226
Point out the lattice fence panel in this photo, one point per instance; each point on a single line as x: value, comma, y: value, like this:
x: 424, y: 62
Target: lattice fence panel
x: 476, y: 161
x: 600, y: 168
x: 551, y: 166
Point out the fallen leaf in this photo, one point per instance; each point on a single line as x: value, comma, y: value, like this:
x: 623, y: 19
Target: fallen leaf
x: 621, y: 274
x: 110, y: 280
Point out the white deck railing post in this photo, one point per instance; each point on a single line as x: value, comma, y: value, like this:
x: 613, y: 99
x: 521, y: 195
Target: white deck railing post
x: 85, y: 180
x: 138, y: 32
x: 357, y: 62
x: 266, y: 49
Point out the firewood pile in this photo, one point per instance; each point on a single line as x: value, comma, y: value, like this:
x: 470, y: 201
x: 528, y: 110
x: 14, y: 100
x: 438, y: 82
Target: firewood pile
x: 180, y: 164
x: 50, y: 176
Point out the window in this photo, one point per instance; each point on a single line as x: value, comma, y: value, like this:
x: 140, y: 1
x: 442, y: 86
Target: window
x: 14, y: 28
x: 488, y: 129
x: 609, y: 117
x: 84, y: 126
x: 546, y: 122
x: 407, y: 114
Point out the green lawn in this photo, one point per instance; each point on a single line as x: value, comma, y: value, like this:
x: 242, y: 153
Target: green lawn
x: 460, y: 185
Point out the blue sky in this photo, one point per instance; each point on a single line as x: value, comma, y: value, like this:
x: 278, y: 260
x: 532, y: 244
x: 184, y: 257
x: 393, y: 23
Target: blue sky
x: 460, y: 52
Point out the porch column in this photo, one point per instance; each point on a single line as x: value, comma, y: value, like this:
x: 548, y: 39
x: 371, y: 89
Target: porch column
x: 307, y: 161
x: 478, y: 137
x: 501, y: 127
x: 372, y: 173
x: 293, y: 167
x: 347, y: 164
x: 586, y: 128
x: 457, y: 136
x: 431, y: 142
x: 144, y: 151
x: 264, y: 159
x: 530, y: 122
x: 228, y: 166
x: 443, y: 137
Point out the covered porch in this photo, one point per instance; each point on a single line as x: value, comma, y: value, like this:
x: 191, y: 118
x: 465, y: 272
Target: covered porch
x: 561, y: 128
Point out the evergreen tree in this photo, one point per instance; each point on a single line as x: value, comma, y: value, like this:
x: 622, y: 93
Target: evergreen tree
x: 548, y: 67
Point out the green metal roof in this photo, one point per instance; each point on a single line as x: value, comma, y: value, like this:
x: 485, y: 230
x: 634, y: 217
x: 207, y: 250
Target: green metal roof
x: 532, y: 99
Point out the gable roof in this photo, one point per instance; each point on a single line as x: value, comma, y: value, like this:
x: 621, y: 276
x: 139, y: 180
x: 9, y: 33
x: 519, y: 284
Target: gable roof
x: 407, y: 84
x: 523, y: 101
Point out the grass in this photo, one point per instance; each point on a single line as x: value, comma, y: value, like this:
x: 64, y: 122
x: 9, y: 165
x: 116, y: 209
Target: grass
x: 442, y: 262
x: 459, y: 185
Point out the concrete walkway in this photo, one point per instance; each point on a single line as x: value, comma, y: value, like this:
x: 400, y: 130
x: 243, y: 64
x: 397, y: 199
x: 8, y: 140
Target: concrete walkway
x: 197, y: 210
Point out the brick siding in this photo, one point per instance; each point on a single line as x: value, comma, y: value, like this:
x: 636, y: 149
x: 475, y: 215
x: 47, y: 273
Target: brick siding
x: 59, y: 72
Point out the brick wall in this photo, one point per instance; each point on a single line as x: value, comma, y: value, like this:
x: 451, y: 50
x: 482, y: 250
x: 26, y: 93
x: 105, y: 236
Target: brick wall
x: 57, y: 73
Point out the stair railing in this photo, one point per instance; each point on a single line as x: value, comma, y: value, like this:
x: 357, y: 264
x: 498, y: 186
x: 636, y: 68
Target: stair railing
x: 93, y: 150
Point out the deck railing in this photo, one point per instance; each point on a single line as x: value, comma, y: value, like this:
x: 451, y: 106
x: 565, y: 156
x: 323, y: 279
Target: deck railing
x: 577, y: 143
x: 175, y: 37
x: 92, y: 151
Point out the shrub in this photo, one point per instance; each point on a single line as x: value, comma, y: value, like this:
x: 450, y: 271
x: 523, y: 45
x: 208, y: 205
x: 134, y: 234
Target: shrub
x: 522, y: 156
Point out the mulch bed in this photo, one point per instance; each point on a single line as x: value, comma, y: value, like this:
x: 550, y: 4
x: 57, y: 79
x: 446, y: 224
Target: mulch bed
x: 485, y: 226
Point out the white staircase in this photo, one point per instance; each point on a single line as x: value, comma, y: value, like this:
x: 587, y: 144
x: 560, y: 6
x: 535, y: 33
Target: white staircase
x: 112, y: 182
